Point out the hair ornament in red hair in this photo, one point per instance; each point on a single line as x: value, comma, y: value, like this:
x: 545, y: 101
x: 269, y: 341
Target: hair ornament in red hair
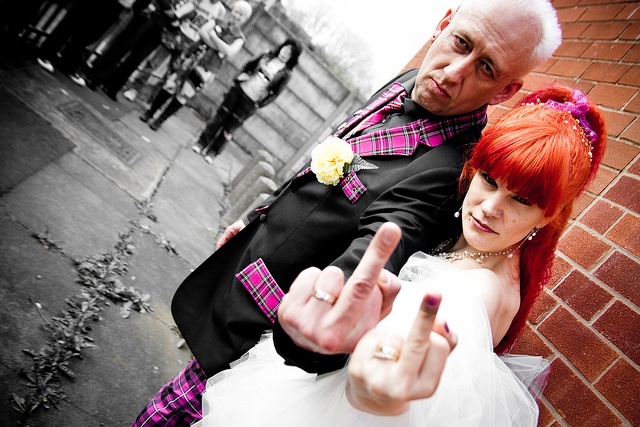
x: 578, y: 111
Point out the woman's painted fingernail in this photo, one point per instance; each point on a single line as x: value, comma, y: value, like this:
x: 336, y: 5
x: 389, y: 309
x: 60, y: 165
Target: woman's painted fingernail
x: 446, y: 327
x: 430, y: 304
x: 433, y: 302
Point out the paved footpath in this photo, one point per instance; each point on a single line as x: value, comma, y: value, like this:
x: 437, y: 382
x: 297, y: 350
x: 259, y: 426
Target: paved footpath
x: 85, y: 188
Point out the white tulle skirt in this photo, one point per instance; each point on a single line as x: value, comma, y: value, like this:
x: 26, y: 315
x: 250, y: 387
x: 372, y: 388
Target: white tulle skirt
x: 477, y: 388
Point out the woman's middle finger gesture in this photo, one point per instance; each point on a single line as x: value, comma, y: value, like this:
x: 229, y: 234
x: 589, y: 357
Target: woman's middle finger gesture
x: 387, y: 372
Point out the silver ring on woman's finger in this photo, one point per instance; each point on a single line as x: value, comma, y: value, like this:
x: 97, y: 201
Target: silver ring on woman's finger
x: 386, y: 352
x: 324, y: 296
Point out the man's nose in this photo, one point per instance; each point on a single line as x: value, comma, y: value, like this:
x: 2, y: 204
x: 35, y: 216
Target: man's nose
x: 458, y: 69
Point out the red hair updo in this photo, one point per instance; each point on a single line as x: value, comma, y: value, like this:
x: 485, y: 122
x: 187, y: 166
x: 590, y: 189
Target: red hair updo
x: 545, y: 155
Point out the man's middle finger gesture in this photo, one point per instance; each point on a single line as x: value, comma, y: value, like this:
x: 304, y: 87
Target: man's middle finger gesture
x: 324, y: 315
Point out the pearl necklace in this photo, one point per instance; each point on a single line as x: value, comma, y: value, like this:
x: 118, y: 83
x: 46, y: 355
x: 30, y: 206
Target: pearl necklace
x: 478, y: 256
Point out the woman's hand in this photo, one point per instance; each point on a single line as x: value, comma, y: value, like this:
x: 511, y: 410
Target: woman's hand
x: 242, y: 77
x: 229, y: 232
x: 386, y: 372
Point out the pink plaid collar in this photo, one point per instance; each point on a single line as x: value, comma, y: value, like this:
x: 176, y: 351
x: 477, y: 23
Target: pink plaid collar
x: 403, y: 140
x: 390, y: 100
x: 400, y: 140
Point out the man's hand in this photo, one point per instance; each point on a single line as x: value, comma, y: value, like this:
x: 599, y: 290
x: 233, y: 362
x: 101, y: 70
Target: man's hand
x: 387, y: 372
x: 322, y: 314
x: 229, y: 232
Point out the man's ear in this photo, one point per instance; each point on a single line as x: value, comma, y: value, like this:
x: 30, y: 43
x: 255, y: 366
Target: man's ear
x: 507, y: 92
x: 444, y: 23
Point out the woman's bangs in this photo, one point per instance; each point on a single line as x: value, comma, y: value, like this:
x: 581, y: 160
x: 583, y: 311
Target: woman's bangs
x: 527, y: 162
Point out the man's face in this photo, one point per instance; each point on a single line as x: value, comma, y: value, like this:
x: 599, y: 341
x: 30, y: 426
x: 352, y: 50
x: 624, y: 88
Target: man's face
x: 477, y: 58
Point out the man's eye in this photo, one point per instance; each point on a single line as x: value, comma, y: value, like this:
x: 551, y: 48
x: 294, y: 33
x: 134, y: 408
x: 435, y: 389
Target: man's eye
x: 487, y: 69
x: 462, y: 43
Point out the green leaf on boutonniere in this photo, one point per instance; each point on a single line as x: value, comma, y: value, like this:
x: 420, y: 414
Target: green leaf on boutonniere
x: 358, y: 163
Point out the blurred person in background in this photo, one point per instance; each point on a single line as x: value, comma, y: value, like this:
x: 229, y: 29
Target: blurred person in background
x: 196, y: 66
x: 84, y: 23
x: 132, y: 44
x: 260, y: 81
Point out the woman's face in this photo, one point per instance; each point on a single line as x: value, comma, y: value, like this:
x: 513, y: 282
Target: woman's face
x: 494, y: 218
x: 237, y: 16
x: 285, y: 53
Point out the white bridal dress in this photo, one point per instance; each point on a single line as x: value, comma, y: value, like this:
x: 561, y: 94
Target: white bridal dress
x: 477, y: 388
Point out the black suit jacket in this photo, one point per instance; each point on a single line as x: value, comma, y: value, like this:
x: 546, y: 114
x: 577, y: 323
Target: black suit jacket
x: 311, y: 224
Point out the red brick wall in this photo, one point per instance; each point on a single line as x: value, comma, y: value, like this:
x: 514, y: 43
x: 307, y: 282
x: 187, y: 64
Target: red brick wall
x: 587, y: 322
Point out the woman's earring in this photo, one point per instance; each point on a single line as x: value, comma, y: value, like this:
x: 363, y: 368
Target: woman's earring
x: 457, y: 213
x: 529, y: 236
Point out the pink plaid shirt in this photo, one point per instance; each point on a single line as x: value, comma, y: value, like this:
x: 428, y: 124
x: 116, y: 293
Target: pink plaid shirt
x: 399, y: 140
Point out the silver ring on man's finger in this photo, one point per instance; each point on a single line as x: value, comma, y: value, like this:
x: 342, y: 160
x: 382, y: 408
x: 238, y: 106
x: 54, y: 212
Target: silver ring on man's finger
x: 324, y: 296
x: 386, y: 352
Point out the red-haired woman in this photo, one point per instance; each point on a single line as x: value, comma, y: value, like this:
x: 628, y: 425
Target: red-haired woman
x: 520, y: 185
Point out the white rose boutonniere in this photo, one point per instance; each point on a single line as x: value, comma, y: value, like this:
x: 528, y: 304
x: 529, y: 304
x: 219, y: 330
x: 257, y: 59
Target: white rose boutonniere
x: 333, y: 159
